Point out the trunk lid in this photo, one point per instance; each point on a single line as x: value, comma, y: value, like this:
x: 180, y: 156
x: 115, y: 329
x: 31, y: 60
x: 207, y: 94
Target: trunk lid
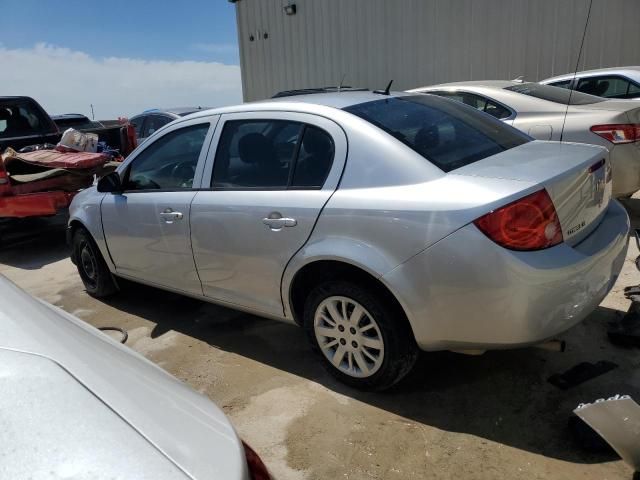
x: 631, y: 108
x: 576, y: 176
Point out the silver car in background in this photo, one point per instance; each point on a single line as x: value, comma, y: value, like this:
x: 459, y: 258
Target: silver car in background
x: 76, y: 404
x: 618, y: 82
x: 382, y: 222
x: 542, y: 112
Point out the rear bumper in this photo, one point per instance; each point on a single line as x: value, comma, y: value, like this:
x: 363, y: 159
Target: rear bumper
x: 34, y: 204
x: 625, y: 164
x: 467, y: 292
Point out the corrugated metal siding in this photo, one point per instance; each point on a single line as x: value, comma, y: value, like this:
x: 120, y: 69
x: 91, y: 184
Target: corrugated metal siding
x: 422, y: 42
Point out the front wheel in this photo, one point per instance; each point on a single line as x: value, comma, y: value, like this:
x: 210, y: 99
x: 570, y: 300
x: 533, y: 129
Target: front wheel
x: 93, y: 270
x: 363, y: 339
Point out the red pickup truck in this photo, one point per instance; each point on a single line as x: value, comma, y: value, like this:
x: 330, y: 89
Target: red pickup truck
x: 29, y: 189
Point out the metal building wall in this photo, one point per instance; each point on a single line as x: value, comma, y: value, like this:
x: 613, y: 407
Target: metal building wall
x: 422, y: 42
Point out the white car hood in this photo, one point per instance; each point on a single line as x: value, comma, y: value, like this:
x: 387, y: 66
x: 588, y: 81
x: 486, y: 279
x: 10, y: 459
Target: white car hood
x: 181, y: 424
x: 53, y: 427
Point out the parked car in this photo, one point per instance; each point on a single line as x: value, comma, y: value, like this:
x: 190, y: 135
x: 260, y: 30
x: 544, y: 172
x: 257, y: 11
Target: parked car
x: 76, y: 404
x: 542, y: 112
x: 619, y: 82
x: 382, y: 223
x: 154, y: 119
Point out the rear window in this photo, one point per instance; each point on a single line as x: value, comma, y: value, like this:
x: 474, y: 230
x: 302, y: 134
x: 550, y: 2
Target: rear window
x: 21, y: 118
x: 555, y: 94
x: 448, y: 134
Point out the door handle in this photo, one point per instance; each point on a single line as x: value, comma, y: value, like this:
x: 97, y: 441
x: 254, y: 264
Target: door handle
x: 279, y: 223
x: 168, y: 215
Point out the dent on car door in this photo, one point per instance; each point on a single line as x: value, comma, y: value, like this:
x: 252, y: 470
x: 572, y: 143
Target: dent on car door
x: 269, y: 179
x: 147, y: 225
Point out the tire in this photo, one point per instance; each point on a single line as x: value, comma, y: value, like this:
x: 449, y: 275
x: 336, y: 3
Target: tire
x: 390, y: 351
x: 93, y: 270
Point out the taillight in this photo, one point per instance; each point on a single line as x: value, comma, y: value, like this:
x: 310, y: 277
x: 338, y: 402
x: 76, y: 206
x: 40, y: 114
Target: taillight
x: 618, y: 133
x: 257, y: 469
x: 530, y: 223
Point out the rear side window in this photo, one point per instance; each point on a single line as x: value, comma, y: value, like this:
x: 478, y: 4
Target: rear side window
x: 561, y: 84
x: 608, y: 87
x: 478, y: 102
x: 554, y: 94
x: 271, y: 154
x: 446, y: 133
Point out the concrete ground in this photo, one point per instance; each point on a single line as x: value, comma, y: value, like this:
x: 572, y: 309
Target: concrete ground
x: 492, y: 416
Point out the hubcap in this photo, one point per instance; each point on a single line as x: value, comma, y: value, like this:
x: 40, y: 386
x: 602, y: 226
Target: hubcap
x: 348, y: 336
x: 88, y: 263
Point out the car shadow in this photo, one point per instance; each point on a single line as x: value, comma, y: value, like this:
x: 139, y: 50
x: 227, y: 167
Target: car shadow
x: 496, y: 396
x: 31, y: 243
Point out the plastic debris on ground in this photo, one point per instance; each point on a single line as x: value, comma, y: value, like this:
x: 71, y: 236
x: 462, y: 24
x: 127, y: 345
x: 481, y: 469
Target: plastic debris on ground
x: 580, y: 373
x: 617, y: 421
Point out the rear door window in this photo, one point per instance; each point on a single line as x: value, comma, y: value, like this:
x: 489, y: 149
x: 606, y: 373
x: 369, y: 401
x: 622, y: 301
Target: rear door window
x: 478, y: 102
x: 612, y: 86
x: 272, y: 154
x: 446, y: 133
x: 21, y: 118
x: 256, y: 154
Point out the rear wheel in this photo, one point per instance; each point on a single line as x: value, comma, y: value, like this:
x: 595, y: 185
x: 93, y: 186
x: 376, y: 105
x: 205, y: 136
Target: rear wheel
x: 93, y: 270
x: 363, y: 340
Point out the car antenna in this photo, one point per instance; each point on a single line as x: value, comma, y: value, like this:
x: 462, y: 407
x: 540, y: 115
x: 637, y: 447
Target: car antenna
x: 386, y: 90
x: 341, y: 82
x: 575, y: 72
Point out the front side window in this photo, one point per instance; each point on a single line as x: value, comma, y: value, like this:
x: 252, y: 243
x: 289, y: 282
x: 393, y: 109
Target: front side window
x: 169, y: 162
x: 608, y: 87
x: 478, y: 102
x: 554, y: 94
x: 446, y: 133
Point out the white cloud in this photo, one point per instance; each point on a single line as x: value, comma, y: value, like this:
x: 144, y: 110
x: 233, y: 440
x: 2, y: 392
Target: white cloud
x: 67, y: 81
x: 219, y: 48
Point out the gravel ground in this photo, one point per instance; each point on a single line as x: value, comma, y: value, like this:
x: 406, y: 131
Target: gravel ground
x: 490, y: 416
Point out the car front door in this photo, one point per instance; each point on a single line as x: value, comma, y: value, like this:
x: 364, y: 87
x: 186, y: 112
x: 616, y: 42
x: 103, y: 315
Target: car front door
x: 270, y: 177
x: 147, y: 225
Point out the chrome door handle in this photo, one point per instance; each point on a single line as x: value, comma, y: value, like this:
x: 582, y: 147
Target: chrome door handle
x: 278, y: 223
x: 169, y: 215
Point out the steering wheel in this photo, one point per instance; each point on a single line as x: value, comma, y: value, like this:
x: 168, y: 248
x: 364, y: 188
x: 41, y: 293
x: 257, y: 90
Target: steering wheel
x: 183, y: 171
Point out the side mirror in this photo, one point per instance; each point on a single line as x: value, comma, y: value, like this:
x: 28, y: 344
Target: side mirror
x: 110, y: 183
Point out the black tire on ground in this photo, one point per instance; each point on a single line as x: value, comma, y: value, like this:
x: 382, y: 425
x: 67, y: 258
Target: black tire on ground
x: 400, y: 349
x: 93, y: 270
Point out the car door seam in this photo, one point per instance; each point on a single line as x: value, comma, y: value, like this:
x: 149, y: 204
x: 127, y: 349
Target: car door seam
x: 344, y: 167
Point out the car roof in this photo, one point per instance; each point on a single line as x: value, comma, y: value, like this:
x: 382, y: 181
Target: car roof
x: 305, y: 103
x: 633, y: 70
x: 471, y: 83
x: 179, y: 111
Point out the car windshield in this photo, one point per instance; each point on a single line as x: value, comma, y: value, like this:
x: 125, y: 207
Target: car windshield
x: 555, y: 94
x: 448, y: 134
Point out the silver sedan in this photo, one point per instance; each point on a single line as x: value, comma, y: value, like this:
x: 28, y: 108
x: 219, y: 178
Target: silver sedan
x: 76, y: 404
x: 382, y: 223
x: 542, y: 112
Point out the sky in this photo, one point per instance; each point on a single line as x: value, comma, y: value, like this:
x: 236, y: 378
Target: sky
x: 122, y: 56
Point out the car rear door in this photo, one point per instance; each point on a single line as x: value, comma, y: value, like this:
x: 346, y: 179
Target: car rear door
x: 269, y: 178
x: 147, y: 225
